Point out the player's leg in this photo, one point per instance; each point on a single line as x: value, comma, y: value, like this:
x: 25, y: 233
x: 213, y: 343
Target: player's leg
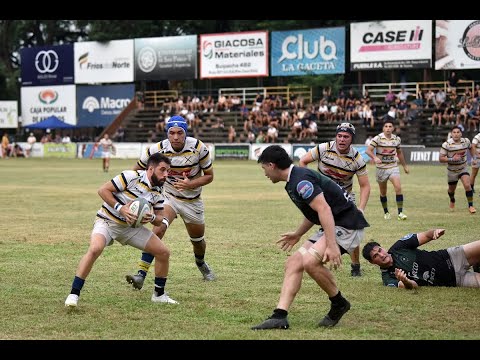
x: 383, y: 199
x: 98, y: 240
x: 395, y: 179
x: 146, y: 258
x: 465, y: 179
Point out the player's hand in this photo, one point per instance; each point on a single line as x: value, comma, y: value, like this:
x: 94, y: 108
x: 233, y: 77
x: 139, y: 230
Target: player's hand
x: 437, y: 233
x: 377, y: 160
x: 183, y: 184
x: 127, y: 214
x: 332, y: 255
x: 287, y: 241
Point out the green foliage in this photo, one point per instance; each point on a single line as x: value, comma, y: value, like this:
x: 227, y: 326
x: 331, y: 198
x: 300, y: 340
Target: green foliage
x: 49, y: 208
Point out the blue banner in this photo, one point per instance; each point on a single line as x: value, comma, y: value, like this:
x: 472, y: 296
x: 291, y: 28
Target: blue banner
x: 100, y: 105
x: 308, y: 52
x: 47, y: 65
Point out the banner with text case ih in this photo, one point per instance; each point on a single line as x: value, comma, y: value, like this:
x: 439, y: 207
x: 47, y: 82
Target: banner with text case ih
x: 398, y: 44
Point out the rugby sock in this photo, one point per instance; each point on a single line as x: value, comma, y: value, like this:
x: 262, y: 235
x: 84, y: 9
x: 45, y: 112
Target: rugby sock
x: 199, y: 259
x: 160, y: 285
x: 399, y: 199
x: 144, y: 264
x: 383, y: 200
x: 279, y: 314
x: 337, y: 300
x: 471, y: 185
x: 452, y: 197
x: 77, y: 285
x: 469, y: 195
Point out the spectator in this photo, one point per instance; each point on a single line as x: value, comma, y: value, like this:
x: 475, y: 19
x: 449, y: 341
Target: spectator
x: 5, y: 145
x: 30, y: 141
x: 232, y: 134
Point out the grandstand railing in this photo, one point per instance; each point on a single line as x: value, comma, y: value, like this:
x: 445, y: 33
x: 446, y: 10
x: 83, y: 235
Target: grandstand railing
x: 248, y: 95
x: 377, y: 92
x: 156, y: 98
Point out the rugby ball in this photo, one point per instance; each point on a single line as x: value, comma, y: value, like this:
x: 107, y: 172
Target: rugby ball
x: 140, y: 206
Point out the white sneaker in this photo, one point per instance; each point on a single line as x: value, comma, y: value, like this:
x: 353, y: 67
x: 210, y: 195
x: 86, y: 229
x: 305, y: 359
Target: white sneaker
x: 387, y: 216
x: 71, y: 301
x: 402, y: 216
x: 163, y: 299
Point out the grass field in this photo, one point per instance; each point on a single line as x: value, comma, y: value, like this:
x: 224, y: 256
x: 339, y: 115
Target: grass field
x: 48, y: 207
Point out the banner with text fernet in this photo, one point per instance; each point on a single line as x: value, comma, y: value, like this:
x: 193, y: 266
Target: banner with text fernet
x: 308, y: 52
x: 398, y: 44
x: 47, y: 65
x: 457, y: 44
x: 41, y: 102
x: 166, y: 58
x: 234, y: 55
x: 103, y: 62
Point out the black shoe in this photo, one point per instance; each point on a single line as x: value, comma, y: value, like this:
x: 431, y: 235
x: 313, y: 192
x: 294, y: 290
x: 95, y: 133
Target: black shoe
x: 476, y: 268
x: 334, y: 315
x: 355, y: 270
x: 272, y: 323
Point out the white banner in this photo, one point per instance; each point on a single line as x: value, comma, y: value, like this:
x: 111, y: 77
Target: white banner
x: 397, y: 44
x: 40, y: 102
x: 98, y: 62
x: 257, y: 149
x: 232, y: 55
x: 8, y: 114
x: 457, y: 44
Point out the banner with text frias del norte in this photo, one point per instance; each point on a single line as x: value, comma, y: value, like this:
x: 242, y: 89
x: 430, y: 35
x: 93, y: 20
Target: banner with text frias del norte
x: 397, y: 44
x: 47, y: 65
x: 234, y: 55
x: 309, y: 51
x: 166, y: 58
x: 99, y: 105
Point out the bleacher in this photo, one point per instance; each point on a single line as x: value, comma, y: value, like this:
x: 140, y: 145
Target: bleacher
x: 141, y: 121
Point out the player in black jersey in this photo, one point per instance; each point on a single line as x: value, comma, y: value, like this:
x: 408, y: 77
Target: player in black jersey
x: 405, y: 266
x: 322, y: 202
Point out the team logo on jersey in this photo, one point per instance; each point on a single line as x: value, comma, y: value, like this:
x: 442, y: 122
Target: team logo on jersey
x: 305, y: 189
x: 406, y: 237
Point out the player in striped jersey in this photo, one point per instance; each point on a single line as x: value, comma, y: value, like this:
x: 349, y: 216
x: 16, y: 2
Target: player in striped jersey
x: 340, y: 161
x: 475, y: 159
x: 191, y: 170
x: 454, y: 154
x: 387, y: 152
x: 113, y: 222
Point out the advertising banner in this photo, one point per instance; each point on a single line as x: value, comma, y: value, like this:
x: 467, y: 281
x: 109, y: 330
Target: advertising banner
x: 233, y: 55
x: 100, y: 105
x: 122, y: 151
x: 41, y: 102
x: 457, y: 44
x: 166, y: 58
x: 47, y: 65
x: 397, y: 44
x: 103, y: 62
x: 232, y: 151
x: 60, y: 150
x: 257, y: 149
x: 8, y: 114
x: 306, y: 52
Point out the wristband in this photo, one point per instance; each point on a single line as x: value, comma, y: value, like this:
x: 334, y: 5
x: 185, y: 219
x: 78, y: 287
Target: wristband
x: 117, y: 206
x: 165, y: 221
x: 153, y: 218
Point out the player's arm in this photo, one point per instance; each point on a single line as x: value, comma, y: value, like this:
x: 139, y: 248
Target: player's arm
x: 401, y: 157
x: 288, y: 240
x: 473, y: 152
x: 369, y: 152
x: 106, y: 193
x: 444, y: 155
x: 306, y: 159
x: 429, y: 235
x: 332, y: 252
x: 364, y: 191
